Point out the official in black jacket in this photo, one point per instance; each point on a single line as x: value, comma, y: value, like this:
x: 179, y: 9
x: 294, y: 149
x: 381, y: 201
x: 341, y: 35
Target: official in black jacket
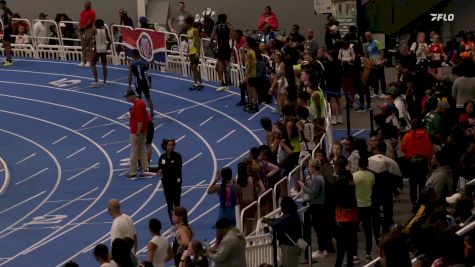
x: 169, y: 169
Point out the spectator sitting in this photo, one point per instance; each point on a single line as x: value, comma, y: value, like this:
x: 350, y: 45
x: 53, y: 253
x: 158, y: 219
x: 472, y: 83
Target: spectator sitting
x: 40, y: 31
x: 268, y: 18
x: 194, y: 256
x: 144, y: 23
x: 22, y: 38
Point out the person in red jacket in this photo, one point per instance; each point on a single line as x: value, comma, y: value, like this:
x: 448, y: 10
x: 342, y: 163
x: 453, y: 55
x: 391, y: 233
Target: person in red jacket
x: 418, y: 151
x: 268, y: 18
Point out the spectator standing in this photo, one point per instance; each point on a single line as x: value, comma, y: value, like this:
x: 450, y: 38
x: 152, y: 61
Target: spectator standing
x: 86, y: 23
x: 295, y: 36
x: 102, y: 42
x: 417, y: 148
x: 222, y: 34
x: 194, y: 47
x: 170, y: 166
x: 183, y: 233
x: 40, y: 32
x: 231, y: 246
x: 227, y: 192
x: 6, y: 16
x: 288, y: 229
x: 158, y: 249
x: 251, y: 75
x: 374, y: 52
x: 347, y: 58
x: 463, y: 88
x: 437, y: 56
x: 101, y: 253
x: 138, y: 73
x: 332, y: 35
x: 441, y: 177
x: 22, y: 38
x: 120, y: 253
x: 125, y: 20
x: 268, y: 18
x: 364, y: 181
x: 122, y: 225
x: 420, y: 47
x: 138, y: 133
x: 176, y: 21
x: 311, y: 45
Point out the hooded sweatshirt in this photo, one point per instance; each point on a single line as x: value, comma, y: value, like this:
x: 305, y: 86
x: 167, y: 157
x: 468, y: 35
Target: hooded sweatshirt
x: 231, y: 251
x: 271, y: 20
x: 417, y: 143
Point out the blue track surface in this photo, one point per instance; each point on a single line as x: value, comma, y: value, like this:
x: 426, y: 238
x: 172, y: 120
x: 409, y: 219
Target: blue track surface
x: 66, y: 146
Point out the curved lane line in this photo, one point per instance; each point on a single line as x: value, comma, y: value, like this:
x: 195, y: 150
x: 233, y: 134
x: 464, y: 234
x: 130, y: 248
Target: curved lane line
x: 6, y: 182
x: 58, y: 177
x: 109, y: 180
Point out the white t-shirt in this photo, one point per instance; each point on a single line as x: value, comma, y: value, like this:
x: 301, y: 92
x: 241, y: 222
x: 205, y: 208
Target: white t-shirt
x: 161, y: 252
x: 101, y: 41
x: 421, y: 52
x: 39, y: 30
x: 122, y: 227
x: 109, y: 264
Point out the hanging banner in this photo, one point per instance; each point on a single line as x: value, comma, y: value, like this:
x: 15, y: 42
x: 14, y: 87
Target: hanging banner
x: 151, y: 45
x: 345, y: 13
x: 322, y: 6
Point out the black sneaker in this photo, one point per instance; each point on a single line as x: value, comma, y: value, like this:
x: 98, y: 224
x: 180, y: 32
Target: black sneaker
x: 240, y: 104
x: 246, y: 108
x: 199, y: 87
x: 360, y: 109
x: 193, y: 88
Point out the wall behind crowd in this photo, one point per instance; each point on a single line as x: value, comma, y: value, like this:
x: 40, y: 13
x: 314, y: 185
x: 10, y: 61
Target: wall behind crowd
x: 244, y: 14
x: 105, y: 9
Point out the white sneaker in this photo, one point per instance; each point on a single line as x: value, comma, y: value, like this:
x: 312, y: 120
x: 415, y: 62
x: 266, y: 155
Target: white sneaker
x: 382, y: 96
x: 319, y: 254
x: 374, y: 95
x: 93, y: 85
x: 87, y: 65
x: 222, y: 88
x: 81, y: 64
x: 340, y: 119
x: 356, y: 260
x: 333, y: 120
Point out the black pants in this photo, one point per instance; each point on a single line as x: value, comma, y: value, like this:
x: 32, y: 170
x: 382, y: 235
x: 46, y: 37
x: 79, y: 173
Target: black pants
x: 363, y: 93
x: 365, y: 217
x: 417, y: 178
x: 346, y: 238
x: 319, y: 223
x: 378, y: 77
x: 172, y: 192
x: 383, y: 200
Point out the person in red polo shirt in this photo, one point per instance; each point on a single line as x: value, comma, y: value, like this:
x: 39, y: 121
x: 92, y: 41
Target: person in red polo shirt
x: 138, y: 133
x: 86, y: 23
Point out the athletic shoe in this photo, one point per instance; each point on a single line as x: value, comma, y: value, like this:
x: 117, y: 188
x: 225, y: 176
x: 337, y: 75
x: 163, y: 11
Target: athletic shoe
x: 333, y: 120
x: 222, y: 88
x: 368, y: 258
x: 200, y: 86
x: 360, y: 109
x: 356, y: 260
x: 82, y: 64
x: 319, y: 254
x: 382, y: 96
x: 339, y: 120
x: 374, y: 95
x: 193, y: 87
x: 240, y: 103
x: 87, y: 65
x: 246, y: 107
x: 7, y: 63
x: 132, y: 177
x: 93, y: 85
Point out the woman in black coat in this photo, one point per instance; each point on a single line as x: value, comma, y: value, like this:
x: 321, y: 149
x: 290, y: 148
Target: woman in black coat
x: 169, y: 169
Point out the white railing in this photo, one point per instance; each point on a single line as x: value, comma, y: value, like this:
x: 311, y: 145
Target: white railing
x: 259, y: 250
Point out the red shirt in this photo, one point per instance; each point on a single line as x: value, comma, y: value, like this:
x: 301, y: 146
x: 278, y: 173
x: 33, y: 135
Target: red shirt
x: 86, y: 16
x: 241, y: 42
x: 138, y: 113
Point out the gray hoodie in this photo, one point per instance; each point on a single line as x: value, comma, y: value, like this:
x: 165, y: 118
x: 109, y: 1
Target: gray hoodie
x: 231, y: 251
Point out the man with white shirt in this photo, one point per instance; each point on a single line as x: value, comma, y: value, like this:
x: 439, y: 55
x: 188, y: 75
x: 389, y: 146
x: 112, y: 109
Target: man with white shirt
x: 39, y: 29
x: 122, y: 225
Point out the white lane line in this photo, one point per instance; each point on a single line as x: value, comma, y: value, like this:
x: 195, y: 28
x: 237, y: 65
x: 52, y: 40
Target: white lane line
x: 193, y: 158
x: 107, y: 134
x: 226, y: 136
x: 181, y: 138
x: 257, y: 113
x: 118, y: 142
x: 75, y: 153
x: 160, y: 125
x: 103, y: 125
x: 236, y: 159
x: 67, y: 200
x: 23, y: 202
x: 72, y: 201
x: 59, y: 140
x: 122, y: 169
x: 78, y: 169
x: 208, y: 119
x: 25, y: 159
x: 359, y: 132
x: 85, y: 170
x: 55, y: 236
x: 122, y: 149
x: 221, y: 159
x: 124, y: 173
x: 32, y: 176
x: 257, y: 130
x: 125, y: 159
x: 2, y: 170
x: 87, y: 123
x: 180, y: 111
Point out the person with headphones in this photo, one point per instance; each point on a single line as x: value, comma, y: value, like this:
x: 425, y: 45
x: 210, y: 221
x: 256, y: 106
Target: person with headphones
x: 170, y: 165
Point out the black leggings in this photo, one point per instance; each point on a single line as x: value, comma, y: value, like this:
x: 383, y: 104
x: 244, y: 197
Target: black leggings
x: 346, y: 239
x: 172, y: 192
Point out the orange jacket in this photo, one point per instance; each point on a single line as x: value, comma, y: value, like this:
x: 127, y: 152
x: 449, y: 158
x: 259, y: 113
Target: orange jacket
x: 416, y: 142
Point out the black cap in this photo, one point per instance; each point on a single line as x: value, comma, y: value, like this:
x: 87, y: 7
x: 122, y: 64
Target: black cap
x: 129, y: 92
x: 42, y: 15
x: 222, y: 223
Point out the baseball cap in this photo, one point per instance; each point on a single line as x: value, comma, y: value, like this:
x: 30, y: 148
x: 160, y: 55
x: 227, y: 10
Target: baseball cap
x: 129, y: 92
x: 143, y: 19
x: 42, y: 15
x: 222, y: 223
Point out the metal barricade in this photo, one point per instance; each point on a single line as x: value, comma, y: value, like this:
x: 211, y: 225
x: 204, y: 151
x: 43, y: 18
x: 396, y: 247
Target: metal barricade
x: 25, y: 47
x: 50, y: 47
x: 261, y: 200
x: 259, y: 250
